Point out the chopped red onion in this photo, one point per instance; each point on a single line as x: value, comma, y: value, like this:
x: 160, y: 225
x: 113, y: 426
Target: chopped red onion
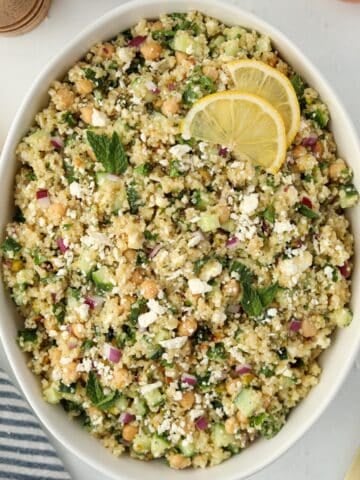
x: 243, y: 369
x: 189, y: 379
x: 223, y: 152
x: 309, y: 141
x: 232, y: 242
x: 126, y: 418
x: 73, y: 343
x: 171, y: 86
x: 57, y: 142
x: 201, y: 423
x: 155, y: 251
x: 136, y: 41
x: 113, y: 354
x: 295, y: 325
x: 61, y: 244
x: 94, y: 301
x: 43, y: 193
x: 345, y: 270
x: 307, y: 202
x: 234, y: 308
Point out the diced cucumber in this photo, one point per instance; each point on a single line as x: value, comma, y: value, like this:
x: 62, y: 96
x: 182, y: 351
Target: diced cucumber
x: 86, y: 261
x: 219, y: 436
x: 187, y: 448
x: 342, y: 317
x: 142, y: 443
x: 52, y: 395
x: 348, y: 196
x: 154, y: 399
x: 216, y: 42
x: 183, y: 42
x: 122, y: 403
x: 248, y: 401
x: 234, y: 32
x: 231, y: 47
x: 25, y: 276
x: 139, y: 406
x: 159, y: 445
x: 263, y: 44
x: 208, y: 222
x: 101, y: 279
x: 140, y: 88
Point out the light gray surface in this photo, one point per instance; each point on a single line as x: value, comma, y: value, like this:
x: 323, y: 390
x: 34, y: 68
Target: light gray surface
x: 328, y: 32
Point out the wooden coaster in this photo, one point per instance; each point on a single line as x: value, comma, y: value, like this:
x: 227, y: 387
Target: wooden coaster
x: 24, y: 23
x: 12, y: 11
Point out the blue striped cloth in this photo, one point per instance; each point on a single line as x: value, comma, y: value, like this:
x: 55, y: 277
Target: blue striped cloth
x: 25, y: 451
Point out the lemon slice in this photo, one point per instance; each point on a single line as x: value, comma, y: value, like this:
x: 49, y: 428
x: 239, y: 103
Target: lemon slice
x: 256, y: 77
x: 245, y: 123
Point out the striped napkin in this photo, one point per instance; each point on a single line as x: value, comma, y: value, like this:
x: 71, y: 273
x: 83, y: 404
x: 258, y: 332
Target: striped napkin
x: 25, y: 451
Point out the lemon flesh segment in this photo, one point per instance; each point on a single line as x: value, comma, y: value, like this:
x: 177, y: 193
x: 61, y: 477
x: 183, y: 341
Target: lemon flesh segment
x: 247, y: 124
x: 253, y: 76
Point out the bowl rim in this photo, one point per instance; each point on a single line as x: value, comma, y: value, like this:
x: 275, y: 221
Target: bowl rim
x: 7, y: 155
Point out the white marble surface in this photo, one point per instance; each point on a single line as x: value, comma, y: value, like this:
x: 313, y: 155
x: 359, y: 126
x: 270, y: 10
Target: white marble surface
x: 328, y: 31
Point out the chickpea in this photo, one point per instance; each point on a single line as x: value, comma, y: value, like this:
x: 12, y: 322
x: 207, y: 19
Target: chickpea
x: 205, y: 176
x: 130, y: 255
x: 78, y: 330
x: 187, y: 327
x: 318, y: 149
x: 106, y: 50
x: 187, y: 400
x: 241, y: 419
x: 156, y: 26
x: 55, y: 212
x: 86, y: 114
x: 129, y: 432
x: 69, y: 373
x: 184, y: 59
x: 170, y: 107
x: 138, y: 276
x: 224, y: 213
x: 84, y: 86
x: 178, y: 461
x: 149, y: 288
x: 231, y: 425
x: 231, y: 288
x: 308, y: 329
x: 337, y: 169
x: 16, y: 266
x: 55, y: 355
x: 151, y: 50
x: 64, y: 98
x: 299, y: 151
x: 211, y: 72
x: 232, y: 386
x: 121, y: 378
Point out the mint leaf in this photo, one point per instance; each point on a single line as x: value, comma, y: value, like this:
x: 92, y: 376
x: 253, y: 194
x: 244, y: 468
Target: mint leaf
x: 245, y: 274
x: 268, y: 294
x: 269, y: 214
x: 108, y: 401
x: 251, y: 301
x: 10, y: 245
x: 109, y: 152
x: 133, y: 198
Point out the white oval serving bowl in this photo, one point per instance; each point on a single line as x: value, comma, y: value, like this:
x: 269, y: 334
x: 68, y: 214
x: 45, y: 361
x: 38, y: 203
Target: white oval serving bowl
x: 336, y: 361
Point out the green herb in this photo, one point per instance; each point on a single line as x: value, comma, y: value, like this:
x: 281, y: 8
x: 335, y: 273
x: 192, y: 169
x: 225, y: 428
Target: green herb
x: 267, y: 370
x: 150, y: 235
x: 87, y: 344
x: 136, y: 64
x: 141, y: 258
x: 245, y: 274
x: 74, y: 293
x: 269, y: 214
x: 67, y: 388
x: 307, y: 212
x: 28, y: 335
x: 163, y: 36
x: 202, y: 334
x: 10, y: 245
x: 268, y: 294
x: 59, y: 310
x: 198, y: 264
x: 38, y: 258
x: 298, y: 84
x: 198, y: 199
x: 197, y: 86
x: 69, y: 118
x: 174, y: 169
x: 217, y: 352
x: 109, y: 152
x: 96, y: 394
x: 137, y: 309
x: 203, y: 381
x: 126, y: 337
x: 144, y: 169
x: 133, y: 198
x: 251, y: 301
x: 157, y: 353
x: 18, y: 215
x: 70, y: 406
x: 69, y: 172
x: 268, y: 425
x: 320, y: 117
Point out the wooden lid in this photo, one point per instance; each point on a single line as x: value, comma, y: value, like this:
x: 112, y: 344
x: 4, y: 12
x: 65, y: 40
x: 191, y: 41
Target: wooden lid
x: 29, y: 14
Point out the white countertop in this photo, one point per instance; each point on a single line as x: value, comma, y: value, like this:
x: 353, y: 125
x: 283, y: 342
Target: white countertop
x: 328, y: 31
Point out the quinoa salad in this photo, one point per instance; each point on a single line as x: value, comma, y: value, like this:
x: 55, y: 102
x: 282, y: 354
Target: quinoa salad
x: 175, y: 299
